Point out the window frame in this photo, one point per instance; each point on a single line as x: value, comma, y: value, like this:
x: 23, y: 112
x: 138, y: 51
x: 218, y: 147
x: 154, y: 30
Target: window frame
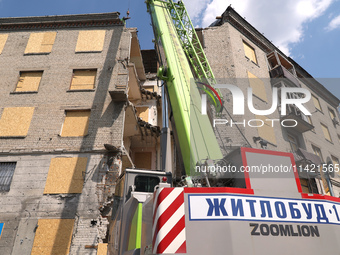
x: 295, y: 142
x: 310, y: 121
x: 3, y: 41
x: 317, y: 100
x: 256, y: 82
x: 80, y: 51
x: 6, y: 179
x: 27, y: 91
x: 83, y: 69
x: 6, y: 122
x: 337, y: 163
x: 309, y: 184
x: 245, y: 43
x: 43, y: 35
x: 261, y: 133
x: 326, y: 127
x: 65, y: 116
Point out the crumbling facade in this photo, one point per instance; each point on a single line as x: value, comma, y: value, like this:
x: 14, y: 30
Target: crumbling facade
x: 73, y: 116
x: 242, y: 56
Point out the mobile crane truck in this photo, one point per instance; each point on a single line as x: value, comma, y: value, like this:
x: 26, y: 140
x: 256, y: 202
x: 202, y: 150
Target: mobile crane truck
x: 262, y: 213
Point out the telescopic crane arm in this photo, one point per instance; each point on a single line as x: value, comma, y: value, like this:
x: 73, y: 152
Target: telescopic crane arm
x: 175, y: 36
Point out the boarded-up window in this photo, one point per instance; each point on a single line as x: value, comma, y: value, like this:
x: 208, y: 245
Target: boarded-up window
x: 143, y: 113
x: 332, y: 114
x: 143, y: 160
x: 15, y: 121
x: 53, y: 236
x: 293, y: 142
x: 76, y: 123
x: 83, y: 79
x: 249, y: 52
x: 309, y: 118
x: 29, y: 81
x: 3, y: 40
x: 326, y: 132
x: 102, y: 249
x: 336, y: 166
x: 258, y: 86
x: 66, y: 175
x: 304, y: 185
x: 6, y: 174
x: 266, y: 131
x: 40, y: 42
x: 316, y: 103
x: 317, y: 151
x: 90, y: 41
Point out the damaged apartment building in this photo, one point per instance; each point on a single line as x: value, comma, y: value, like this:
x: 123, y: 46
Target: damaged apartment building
x: 240, y: 55
x: 77, y: 107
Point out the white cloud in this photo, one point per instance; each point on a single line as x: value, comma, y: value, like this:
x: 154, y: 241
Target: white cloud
x: 195, y: 7
x: 281, y: 20
x: 334, y: 24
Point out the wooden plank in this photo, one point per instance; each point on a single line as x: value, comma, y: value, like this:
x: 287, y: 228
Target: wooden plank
x: 90, y: 41
x: 102, y: 249
x: 76, y: 123
x: 34, y: 43
x: 266, y: 131
x: 53, y: 236
x: 258, y: 86
x: 326, y: 132
x: 65, y: 175
x: 29, y: 81
x: 47, y: 42
x: 249, y: 52
x: 15, y: 121
x: 3, y: 40
x: 40, y: 42
x: 83, y: 79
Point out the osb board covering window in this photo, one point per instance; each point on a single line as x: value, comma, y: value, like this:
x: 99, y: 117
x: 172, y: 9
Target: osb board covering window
x: 316, y: 103
x: 90, y: 41
x: 143, y: 160
x: 102, y: 249
x: 143, y: 113
x: 76, y: 123
x: 331, y: 114
x: 29, y: 81
x: 53, y: 236
x: 258, y: 86
x: 3, y: 39
x: 266, y: 131
x: 326, y: 132
x: 83, y: 79
x: 15, y: 121
x: 249, y: 52
x: 40, y: 42
x: 66, y: 175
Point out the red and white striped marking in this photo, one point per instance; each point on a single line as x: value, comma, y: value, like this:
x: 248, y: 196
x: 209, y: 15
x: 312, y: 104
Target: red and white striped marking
x: 168, y: 230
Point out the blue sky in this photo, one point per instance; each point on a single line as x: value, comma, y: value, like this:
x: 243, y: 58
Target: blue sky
x: 307, y: 30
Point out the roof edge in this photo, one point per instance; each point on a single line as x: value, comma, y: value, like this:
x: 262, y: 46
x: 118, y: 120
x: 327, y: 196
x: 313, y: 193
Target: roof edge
x: 60, y: 18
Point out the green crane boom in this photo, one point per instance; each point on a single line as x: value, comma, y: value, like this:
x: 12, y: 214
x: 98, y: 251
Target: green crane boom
x: 195, y: 134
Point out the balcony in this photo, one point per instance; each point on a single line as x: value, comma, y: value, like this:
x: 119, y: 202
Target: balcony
x: 296, y: 116
x: 280, y: 68
x: 280, y: 72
